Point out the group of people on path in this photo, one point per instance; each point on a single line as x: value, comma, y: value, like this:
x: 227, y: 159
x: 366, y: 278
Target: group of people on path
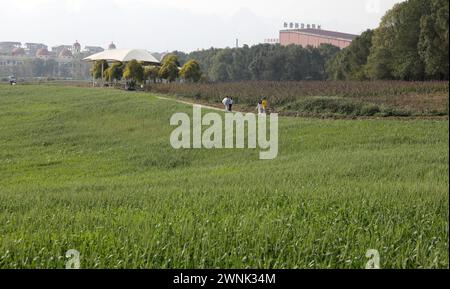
x: 262, y: 105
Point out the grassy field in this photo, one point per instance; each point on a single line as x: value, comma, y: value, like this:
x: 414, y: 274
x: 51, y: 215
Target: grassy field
x: 93, y: 170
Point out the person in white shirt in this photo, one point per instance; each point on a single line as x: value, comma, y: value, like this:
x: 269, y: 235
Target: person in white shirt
x: 260, y: 108
x: 226, y: 103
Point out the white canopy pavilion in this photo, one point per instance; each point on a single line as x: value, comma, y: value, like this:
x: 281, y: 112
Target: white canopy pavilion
x: 124, y: 55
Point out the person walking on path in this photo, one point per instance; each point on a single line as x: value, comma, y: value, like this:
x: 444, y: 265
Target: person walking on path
x: 260, y: 108
x: 230, y: 104
x: 265, y: 105
x: 226, y: 103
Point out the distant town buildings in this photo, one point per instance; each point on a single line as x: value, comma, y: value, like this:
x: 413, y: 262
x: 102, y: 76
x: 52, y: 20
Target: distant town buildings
x: 93, y: 49
x: 42, y: 53
x: 9, y: 46
x: 112, y: 46
x: 16, y: 58
x: 32, y: 48
x: 313, y: 35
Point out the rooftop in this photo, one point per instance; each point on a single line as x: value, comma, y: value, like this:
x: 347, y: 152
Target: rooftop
x: 124, y: 55
x: 325, y: 33
x: 11, y: 42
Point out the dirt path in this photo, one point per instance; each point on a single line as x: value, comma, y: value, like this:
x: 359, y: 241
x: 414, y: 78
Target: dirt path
x: 191, y: 103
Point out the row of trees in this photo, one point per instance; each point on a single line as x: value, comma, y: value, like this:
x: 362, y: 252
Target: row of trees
x: 411, y: 43
x: 136, y: 71
x: 263, y: 62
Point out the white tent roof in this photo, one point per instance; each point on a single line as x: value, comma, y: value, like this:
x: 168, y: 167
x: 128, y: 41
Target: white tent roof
x: 124, y: 55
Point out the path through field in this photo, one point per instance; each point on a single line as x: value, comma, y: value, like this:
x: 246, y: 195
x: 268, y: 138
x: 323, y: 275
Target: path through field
x: 190, y: 103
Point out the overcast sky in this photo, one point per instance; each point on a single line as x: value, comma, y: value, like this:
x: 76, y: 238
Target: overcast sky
x: 187, y: 25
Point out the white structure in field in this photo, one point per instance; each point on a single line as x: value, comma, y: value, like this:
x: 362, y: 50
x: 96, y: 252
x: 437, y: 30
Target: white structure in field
x: 124, y: 55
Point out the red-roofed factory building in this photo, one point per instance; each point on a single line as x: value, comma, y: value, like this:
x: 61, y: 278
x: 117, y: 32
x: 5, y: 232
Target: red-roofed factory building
x: 313, y: 35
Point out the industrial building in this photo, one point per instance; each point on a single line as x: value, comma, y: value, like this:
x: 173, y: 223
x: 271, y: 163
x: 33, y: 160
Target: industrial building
x: 312, y: 35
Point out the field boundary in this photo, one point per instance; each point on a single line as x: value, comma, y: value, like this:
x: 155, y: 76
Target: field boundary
x: 343, y: 117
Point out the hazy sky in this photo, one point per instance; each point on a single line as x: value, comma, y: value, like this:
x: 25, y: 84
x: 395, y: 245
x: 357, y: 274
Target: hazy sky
x: 165, y: 25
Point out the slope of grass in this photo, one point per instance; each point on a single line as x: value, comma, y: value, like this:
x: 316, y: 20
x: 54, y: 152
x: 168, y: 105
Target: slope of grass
x: 93, y: 170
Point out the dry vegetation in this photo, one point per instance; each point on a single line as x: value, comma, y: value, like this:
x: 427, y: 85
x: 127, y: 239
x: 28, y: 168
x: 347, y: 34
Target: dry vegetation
x: 325, y: 98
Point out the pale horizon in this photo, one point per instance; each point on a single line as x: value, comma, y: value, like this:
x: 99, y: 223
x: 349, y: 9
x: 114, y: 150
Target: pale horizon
x: 160, y: 26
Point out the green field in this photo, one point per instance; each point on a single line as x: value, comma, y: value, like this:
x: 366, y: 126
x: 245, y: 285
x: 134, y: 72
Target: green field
x: 93, y: 170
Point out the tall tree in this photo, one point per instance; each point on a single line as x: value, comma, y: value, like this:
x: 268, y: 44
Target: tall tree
x: 115, y: 72
x: 169, y: 69
x: 134, y: 71
x: 395, y: 53
x: 433, y: 42
x: 221, y: 64
x: 191, y: 71
x: 96, y: 70
x: 151, y: 73
x: 350, y: 63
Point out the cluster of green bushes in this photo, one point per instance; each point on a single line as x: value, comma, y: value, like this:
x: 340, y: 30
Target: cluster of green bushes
x: 336, y: 106
x: 135, y: 71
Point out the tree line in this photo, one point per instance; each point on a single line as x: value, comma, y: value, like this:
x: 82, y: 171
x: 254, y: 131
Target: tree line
x: 263, y: 62
x: 411, y: 43
x: 260, y: 62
